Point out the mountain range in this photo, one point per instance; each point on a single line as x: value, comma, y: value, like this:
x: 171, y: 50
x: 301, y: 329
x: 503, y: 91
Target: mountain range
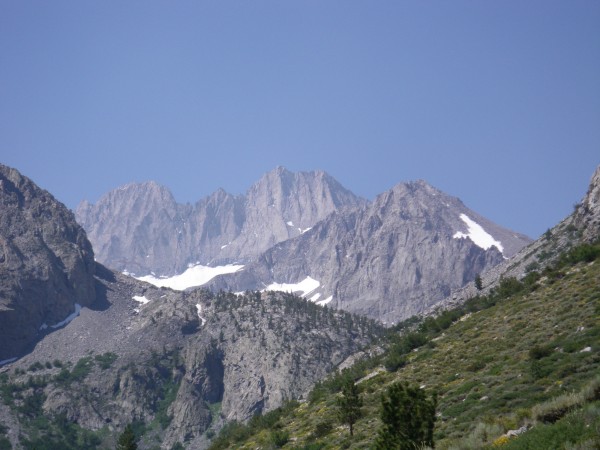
x: 86, y: 350
x: 388, y: 259
x: 141, y: 229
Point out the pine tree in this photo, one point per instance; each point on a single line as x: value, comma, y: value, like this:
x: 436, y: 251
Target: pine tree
x: 478, y: 282
x: 127, y: 439
x: 349, y: 405
x: 408, y: 417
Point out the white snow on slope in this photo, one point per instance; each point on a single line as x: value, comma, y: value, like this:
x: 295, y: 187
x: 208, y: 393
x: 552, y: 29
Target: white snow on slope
x: 477, y: 234
x: 194, y: 276
x: 69, y: 317
x: 141, y: 299
x: 199, y: 308
x: 306, y: 286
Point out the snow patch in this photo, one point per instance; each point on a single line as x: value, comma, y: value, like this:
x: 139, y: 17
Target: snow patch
x: 196, y: 275
x: 478, y: 235
x: 141, y: 299
x: 305, y: 230
x: 306, y: 286
x: 69, y: 318
x: 315, y: 297
x: 325, y: 301
x: 199, y: 308
x: 290, y: 223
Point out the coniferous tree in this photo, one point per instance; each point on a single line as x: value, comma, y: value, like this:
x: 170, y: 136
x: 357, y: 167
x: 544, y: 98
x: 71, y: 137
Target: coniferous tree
x: 349, y: 405
x: 408, y: 417
x: 127, y: 439
x: 478, y: 282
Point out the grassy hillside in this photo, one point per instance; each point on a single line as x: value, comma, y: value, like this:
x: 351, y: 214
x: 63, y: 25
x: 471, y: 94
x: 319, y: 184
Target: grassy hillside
x: 528, y: 354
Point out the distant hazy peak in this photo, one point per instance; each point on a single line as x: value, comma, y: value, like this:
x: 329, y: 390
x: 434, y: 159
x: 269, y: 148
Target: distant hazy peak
x: 140, y: 228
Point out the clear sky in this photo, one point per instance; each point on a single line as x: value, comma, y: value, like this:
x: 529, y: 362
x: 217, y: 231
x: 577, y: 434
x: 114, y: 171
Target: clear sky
x: 495, y: 102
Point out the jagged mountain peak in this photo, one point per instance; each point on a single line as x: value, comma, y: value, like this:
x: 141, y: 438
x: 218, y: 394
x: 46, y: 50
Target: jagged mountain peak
x: 142, y: 229
x: 417, y: 195
x: 145, y: 188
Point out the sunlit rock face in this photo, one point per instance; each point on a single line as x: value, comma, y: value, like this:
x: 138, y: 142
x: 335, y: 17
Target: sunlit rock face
x: 46, y: 263
x: 141, y: 229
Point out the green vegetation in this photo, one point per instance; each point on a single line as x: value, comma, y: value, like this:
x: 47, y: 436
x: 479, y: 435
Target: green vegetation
x: 82, y: 369
x: 478, y: 282
x: 349, y: 405
x: 407, y: 417
x: 526, y: 354
x: 105, y: 360
x: 168, y: 395
x: 234, y: 433
x: 127, y: 440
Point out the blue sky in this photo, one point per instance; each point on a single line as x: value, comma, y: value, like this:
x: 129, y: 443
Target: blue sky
x: 495, y: 102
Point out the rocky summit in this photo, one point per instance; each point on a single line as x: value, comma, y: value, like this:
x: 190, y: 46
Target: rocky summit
x: 46, y: 263
x: 140, y: 228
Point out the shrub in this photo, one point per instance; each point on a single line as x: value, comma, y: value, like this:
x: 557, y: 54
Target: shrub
x: 322, y: 428
x: 35, y: 366
x: 82, y: 368
x: 554, y: 409
x: 539, y: 352
x: 105, y: 360
x: 408, y: 418
x: 395, y: 360
x: 499, y: 442
x: 5, y: 444
x: 279, y: 438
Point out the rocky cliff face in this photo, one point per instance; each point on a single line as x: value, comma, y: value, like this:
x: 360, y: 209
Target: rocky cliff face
x: 140, y: 228
x: 46, y: 263
x: 181, y: 362
x: 389, y: 260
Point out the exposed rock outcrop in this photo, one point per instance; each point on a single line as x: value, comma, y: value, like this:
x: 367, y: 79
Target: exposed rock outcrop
x: 46, y: 263
x: 587, y: 213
